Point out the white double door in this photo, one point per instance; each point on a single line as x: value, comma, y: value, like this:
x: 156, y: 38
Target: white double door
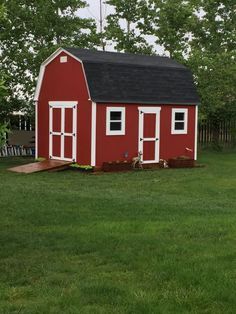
x: 62, y: 130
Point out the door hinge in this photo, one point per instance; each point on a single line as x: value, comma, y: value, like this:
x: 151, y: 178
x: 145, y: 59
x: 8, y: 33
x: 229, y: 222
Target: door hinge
x: 140, y: 139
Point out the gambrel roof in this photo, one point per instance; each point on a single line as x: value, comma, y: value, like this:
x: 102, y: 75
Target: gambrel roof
x: 132, y: 78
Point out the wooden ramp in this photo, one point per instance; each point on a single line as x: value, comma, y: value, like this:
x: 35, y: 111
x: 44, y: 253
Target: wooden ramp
x: 45, y: 165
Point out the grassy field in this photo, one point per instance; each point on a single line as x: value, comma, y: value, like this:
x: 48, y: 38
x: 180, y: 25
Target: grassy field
x: 142, y: 242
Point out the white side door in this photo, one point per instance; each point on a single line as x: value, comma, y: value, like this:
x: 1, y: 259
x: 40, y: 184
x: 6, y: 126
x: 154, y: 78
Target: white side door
x: 149, y: 134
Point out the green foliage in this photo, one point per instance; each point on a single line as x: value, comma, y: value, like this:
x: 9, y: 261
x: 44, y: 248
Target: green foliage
x: 33, y: 30
x: 3, y: 132
x: 170, y: 23
x: 40, y: 159
x: 82, y: 167
x: 123, y: 26
x: 148, y: 242
x: 202, y: 34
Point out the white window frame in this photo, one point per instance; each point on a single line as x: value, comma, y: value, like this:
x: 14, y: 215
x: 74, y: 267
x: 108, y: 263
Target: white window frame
x: 63, y: 59
x: 173, y: 121
x: 108, y: 121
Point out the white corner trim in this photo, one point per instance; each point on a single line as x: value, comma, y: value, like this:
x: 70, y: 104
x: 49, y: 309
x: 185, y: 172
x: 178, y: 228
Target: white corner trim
x: 196, y: 132
x: 93, y: 134
x: 36, y: 130
x: 173, y: 121
x: 108, y: 121
x: 49, y: 60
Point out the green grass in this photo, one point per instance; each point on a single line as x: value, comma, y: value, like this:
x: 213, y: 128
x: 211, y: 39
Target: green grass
x: 141, y: 242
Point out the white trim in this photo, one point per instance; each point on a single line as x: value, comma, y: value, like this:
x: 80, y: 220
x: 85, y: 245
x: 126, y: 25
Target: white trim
x: 93, y: 134
x: 74, y: 140
x: 36, y: 130
x: 63, y: 105
x: 196, y: 132
x: 109, y: 121
x: 185, y: 121
x: 49, y: 60
x: 63, y: 132
x: 156, y: 139
x: 150, y: 109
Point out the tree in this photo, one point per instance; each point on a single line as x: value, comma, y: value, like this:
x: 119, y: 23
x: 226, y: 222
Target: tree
x: 212, y: 60
x: 3, y: 93
x: 33, y: 30
x: 170, y: 22
x: 202, y: 34
x: 123, y: 26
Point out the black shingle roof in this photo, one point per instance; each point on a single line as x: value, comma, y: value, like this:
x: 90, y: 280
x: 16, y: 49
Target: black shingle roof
x: 131, y: 78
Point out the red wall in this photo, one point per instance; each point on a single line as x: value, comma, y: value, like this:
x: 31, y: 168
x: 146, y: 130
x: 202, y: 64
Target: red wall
x: 65, y: 82
x: 113, y: 147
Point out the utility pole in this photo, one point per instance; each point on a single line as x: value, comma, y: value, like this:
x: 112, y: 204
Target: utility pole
x: 101, y: 25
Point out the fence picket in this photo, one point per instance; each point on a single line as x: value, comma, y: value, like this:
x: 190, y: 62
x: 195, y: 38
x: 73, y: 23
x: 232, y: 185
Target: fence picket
x: 227, y: 129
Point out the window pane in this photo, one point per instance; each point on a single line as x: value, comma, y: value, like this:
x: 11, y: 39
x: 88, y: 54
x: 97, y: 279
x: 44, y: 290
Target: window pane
x: 115, y: 115
x: 179, y: 125
x: 179, y: 116
x: 115, y: 126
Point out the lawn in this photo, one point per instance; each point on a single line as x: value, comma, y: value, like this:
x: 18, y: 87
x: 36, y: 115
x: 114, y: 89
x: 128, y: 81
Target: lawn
x: 159, y: 241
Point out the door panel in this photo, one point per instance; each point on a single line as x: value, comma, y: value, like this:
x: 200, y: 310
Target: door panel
x: 56, y: 145
x: 149, y: 150
x: 149, y: 125
x: 56, y: 126
x: 68, y: 120
x: 68, y: 147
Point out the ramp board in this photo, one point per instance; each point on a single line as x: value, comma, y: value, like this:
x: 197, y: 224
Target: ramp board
x: 45, y: 165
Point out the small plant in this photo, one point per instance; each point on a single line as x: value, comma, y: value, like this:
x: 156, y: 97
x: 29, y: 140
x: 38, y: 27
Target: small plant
x: 40, y: 159
x: 81, y: 167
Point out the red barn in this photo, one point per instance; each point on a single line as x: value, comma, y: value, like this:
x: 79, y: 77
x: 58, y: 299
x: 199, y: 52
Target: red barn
x: 94, y: 106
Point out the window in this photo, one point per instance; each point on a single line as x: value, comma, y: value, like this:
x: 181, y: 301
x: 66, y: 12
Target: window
x: 115, y: 124
x: 63, y: 59
x: 179, y: 123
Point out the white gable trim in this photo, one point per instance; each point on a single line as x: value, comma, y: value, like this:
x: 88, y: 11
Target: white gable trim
x: 49, y: 60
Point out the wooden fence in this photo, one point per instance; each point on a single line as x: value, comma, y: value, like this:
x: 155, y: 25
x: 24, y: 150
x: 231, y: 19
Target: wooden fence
x: 9, y: 151
x: 226, y: 133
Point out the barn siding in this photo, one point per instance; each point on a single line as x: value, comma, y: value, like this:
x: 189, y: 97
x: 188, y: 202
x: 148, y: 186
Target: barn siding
x: 65, y: 82
x: 110, y: 148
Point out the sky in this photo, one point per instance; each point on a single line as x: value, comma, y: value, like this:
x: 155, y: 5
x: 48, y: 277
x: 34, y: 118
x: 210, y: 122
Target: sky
x: 93, y: 12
